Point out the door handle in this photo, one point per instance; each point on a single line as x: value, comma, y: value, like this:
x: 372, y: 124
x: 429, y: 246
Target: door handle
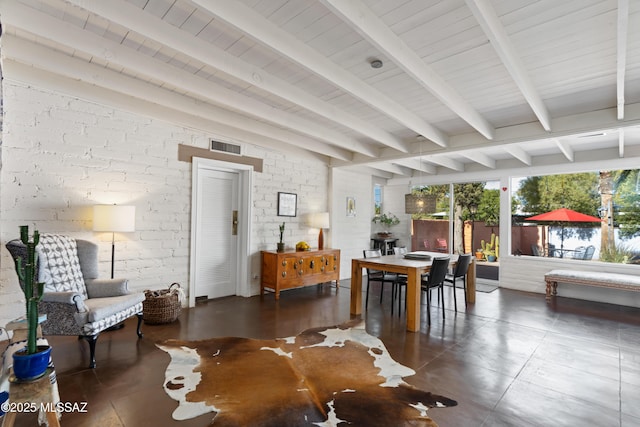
x: 234, y: 224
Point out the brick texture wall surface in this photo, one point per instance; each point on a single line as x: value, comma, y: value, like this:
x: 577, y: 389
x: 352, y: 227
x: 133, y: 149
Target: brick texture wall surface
x: 62, y: 155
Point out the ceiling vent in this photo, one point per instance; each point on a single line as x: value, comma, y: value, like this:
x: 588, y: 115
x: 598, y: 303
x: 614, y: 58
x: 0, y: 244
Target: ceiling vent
x: 225, y: 147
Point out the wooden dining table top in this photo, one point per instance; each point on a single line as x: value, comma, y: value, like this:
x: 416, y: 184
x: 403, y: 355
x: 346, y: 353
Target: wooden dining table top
x: 398, y: 263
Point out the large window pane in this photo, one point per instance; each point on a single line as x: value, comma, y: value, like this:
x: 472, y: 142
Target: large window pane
x: 583, y: 216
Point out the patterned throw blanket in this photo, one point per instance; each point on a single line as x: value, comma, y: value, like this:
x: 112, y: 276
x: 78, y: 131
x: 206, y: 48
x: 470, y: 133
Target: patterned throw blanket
x: 323, y: 376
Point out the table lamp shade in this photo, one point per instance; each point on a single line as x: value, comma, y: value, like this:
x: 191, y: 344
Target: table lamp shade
x: 320, y: 220
x: 114, y: 218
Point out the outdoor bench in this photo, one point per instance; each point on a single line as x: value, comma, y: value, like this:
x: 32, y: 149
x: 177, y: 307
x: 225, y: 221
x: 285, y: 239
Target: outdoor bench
x: 626, y: 282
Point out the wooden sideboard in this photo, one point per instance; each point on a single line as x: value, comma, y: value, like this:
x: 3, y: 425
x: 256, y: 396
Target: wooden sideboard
x: 293, y: 269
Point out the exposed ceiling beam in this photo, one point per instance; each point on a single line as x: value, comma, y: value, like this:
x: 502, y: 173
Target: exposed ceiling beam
x: 265, y: 32
x: 158, y: 30
x: 26, y: 74
x: 417, y: 165
x: 372, y: 28
x: 516, y: 138
x: 492, y: 27
x: 48, y: 27
x: 566, y: 149
x: 481, y: 158
x: 621, y: 143
x: 446, y: 162
x: 391, y: 168
x: 622, y: 36
x: 519, y: 154
x: 46, y: 59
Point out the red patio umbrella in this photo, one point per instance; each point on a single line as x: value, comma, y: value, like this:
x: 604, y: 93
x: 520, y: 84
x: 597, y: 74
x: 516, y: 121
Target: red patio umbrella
x: 563, y: 215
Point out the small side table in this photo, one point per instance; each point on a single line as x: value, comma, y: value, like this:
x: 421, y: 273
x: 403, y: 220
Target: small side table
x: 39, y: 392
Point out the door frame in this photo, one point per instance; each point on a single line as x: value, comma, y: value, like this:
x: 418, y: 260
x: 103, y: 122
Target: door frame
x: 245, y: 185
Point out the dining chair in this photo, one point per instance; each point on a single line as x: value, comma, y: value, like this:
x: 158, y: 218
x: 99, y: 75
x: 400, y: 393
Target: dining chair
x: 401, y: 282
x: 441, y: 245
x: 378, y: 276
x: 460, y: 271
x: 578, y: 253
x: 435, y: 280
x: 588, y: 252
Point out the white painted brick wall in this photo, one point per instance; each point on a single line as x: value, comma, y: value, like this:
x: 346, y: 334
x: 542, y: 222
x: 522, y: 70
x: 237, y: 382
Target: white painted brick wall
x: 62, y: 155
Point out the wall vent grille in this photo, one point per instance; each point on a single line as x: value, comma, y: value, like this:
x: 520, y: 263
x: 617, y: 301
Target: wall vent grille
x: 225, y: 147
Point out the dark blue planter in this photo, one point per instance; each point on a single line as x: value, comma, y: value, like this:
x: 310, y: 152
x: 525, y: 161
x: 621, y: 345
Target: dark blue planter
x: 28, y: 367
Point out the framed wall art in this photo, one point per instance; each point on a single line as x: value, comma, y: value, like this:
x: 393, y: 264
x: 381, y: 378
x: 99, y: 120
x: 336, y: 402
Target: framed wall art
x: 287, y: 204
x: 351, y: 206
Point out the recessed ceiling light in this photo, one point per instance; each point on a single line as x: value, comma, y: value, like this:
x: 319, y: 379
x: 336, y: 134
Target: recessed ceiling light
x: 376, y: 63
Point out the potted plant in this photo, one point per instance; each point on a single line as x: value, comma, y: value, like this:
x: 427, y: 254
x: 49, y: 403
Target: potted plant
x: 492, y: 248
x: 31, y: 362
x: 281, y: 243
x: 479, y: 254
x: 387, y: 220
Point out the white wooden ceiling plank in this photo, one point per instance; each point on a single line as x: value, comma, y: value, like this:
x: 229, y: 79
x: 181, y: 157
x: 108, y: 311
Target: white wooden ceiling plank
x: 164, y: 73
x: 407, y: 14
x: 374, y: 30
x: 268, y: 7
x: 178, y: 13
x: 621, y: 141
x: 174, y: 37
x: 196, y: 22
x: 265, y: 32
x: 158, y: 7
x: 550, y: 14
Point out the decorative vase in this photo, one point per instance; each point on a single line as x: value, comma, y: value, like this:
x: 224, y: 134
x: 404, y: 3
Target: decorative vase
x: 479, y: 255
x: 280, y: 246
x: 27, y: 367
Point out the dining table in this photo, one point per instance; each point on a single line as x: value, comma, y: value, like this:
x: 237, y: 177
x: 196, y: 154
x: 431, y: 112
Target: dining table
x: 413, y: 265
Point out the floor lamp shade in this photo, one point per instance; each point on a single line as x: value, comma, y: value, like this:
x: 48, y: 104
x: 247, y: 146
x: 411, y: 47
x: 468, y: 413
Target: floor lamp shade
x: 320, y: 220
x: 114, y: 219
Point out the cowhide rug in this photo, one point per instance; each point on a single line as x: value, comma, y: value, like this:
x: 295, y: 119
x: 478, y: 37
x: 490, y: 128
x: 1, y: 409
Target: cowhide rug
x: 324, y: 376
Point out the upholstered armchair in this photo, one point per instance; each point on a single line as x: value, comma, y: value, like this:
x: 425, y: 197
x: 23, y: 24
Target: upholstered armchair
x: 75, y: 300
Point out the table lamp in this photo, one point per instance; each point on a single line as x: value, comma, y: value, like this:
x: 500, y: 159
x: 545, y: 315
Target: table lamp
x: 114, y: 219
x: 320, y: 220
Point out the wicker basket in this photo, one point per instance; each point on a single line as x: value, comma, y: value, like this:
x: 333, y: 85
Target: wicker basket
x: 162, y: 306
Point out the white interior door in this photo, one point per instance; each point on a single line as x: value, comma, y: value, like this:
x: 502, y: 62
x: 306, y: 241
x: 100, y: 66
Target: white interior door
x: 216, y: 242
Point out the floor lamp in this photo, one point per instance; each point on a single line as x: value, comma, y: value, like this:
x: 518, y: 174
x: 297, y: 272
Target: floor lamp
x: 114, y: 219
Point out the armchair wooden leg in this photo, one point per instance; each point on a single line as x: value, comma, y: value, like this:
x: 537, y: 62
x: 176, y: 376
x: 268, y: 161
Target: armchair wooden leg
x: 91, y: 339
x: 138, y: 331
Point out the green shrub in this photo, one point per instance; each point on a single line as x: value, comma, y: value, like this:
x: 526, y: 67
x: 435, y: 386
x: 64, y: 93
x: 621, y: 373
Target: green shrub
x: 619, y: 253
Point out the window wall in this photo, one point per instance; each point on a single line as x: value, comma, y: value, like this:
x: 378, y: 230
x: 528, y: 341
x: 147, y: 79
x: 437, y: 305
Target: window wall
x: 581, y: 216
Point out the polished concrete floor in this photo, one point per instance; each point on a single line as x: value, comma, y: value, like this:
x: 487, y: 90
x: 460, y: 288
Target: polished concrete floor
x: 510, y: 360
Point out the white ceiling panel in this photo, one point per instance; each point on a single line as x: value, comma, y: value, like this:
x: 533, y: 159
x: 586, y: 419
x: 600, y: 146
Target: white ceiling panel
x: 566, y: 51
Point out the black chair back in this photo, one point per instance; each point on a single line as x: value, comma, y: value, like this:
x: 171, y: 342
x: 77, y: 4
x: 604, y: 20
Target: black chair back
x: 438, y: 272
x: 463, y: 265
